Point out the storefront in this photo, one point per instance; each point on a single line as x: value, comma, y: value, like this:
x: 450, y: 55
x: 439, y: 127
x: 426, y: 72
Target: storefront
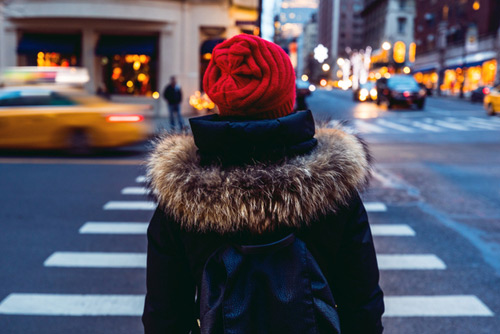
x: 35, y: 49
x: 428, y: 77
x: 469, y: 77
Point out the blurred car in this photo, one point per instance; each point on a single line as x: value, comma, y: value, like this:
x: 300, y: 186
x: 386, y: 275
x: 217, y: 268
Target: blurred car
x: 492, y: 101
x: 365, y: 92
x: 400, y: 90
x: 46, y: 118
x: 479, y: 93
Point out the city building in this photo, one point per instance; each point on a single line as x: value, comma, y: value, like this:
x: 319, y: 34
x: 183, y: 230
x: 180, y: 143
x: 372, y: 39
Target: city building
x: 130, y: 48
x: 457, y: 44
x: 388, y: 30
x: 310, y: 40
x: 340, y: 26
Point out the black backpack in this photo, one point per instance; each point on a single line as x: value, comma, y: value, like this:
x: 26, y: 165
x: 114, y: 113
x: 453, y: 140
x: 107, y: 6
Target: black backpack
x: 266, y: 289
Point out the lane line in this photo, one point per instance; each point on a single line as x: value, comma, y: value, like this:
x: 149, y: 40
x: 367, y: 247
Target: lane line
x: 366, y: 127
x: 42, y: 161
x: 96, y: 260
x: 392, y: 230
x: 427, y: 127
x: 435, y: 306
x: 130, y: 205
x: 395, y: 126
x: 114, y: 228
x: 141, y: 179
x: 410, y: 262
x: 451, y: 125
x: 72, y: 305
x: 375, y: 207
x: 135, y: 191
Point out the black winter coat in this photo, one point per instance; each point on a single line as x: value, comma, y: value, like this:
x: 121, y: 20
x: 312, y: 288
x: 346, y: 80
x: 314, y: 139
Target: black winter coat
x: 252, y: 182
x: 173, y: 94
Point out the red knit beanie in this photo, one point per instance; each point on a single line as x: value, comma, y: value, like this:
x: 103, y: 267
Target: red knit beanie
x: 249, y: 76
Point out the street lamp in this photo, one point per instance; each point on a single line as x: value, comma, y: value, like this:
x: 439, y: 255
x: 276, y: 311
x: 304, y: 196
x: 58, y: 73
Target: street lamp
x: 386, y: 46
x: 340, y: 61
x: 325, y: 67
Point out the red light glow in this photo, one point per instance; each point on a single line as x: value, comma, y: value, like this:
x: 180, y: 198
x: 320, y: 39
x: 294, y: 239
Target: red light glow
x: 406, y: 94
x: 124, y: 118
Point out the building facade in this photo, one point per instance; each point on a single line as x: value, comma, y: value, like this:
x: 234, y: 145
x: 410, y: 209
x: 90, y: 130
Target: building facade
x: 389, y: 23
x: 457, y: 44
x: 130, y: 48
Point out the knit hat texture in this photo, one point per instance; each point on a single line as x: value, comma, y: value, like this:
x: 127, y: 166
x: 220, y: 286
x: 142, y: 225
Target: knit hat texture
x: 249, y: 76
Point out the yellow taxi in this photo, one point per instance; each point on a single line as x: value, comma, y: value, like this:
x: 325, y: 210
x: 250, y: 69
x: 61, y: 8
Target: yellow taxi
x: 34, y: 117
x: 492, y: 101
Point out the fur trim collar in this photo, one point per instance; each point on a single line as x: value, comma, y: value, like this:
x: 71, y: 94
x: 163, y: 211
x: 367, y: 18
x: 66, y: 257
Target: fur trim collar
x: 258, y: 197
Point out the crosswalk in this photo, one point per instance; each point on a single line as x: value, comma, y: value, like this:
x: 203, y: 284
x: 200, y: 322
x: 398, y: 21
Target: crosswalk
x: 53, y: 304
x: 409, y: 125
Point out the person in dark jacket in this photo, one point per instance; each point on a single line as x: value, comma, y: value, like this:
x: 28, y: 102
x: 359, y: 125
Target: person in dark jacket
x: 250, y: 175
x: 173, y: 97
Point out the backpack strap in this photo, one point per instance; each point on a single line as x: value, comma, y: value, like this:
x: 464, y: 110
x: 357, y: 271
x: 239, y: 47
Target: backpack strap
x: 265, y: 248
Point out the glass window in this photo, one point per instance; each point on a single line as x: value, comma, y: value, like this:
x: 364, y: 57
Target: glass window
x: 33, y: 98
x: 401, y: 25
x: 402, y: 4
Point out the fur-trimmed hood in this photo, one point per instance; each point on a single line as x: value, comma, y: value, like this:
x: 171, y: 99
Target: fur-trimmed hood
x: 257, y: 197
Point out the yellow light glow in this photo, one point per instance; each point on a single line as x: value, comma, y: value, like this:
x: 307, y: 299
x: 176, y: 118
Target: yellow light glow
x: 386, y: 46
x: 362, y: 98
x: 378, y: 76
x: 117, y: 71
x: 399, y: 52
x: 340, y: 61
x: 387, y: 75
x: 143, y: 58
x: 304, y: 77
x: 411, y: 52
x: 373, y: 93
x: 156, y: 95
x: 406, y: 70
x: 137, y: 65
x: 130, y: 84
x: 323, y: 82
x: 41, y: 55
x: 339, y: 74
x: 136, y: 57
x: 476, y: 5
x: 141, y: 77
x: 207, y: 56
x: 325, y: 67
x: 129, y: 58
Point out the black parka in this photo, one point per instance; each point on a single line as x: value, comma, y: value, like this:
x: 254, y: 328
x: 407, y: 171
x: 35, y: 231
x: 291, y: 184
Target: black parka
x: 252, y: 182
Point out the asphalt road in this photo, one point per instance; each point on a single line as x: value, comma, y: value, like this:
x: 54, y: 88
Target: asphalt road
x: 73, y: 259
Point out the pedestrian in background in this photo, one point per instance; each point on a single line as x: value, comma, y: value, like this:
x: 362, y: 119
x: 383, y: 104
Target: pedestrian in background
x: 173, y: 97
x: 260, y: 227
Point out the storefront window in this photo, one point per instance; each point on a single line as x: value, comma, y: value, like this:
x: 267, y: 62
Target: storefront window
x: 45, y: 50
x: 130, y: 74
x: 55, y: 59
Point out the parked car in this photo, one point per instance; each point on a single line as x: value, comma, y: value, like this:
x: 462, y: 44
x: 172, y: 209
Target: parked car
x: 492, y: 101
x: 479, y: 93
x: 400, y: 90
x: 365, y: 92
x: 48, y: 118
x: 303, y: 89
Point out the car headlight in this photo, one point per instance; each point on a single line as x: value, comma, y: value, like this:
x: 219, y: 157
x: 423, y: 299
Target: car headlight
x: 363, y: 91
x: 422, y: 92
x: 373, y: 93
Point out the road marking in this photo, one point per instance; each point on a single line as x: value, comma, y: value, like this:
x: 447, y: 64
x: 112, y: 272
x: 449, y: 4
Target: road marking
x: 427, y: 127
x: 451, y: 125
x: 375, y: 207
x: 135, y: 191
x: 392, y: 230
x: 483, y: 122
x: 141, y: 179
x: 435, y: 306
x: 488, y: 120
x: 366, y: 127
x: 410, y: 262
x: 72, y: 305
x: 395, y: 126
x: 96, y: 260
x: 130, y: 205
x: 114, y: 228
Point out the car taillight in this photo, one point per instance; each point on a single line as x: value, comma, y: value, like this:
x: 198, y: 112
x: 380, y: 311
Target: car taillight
x: 124, y: 118
x: 486, y: 90
x: 406, y: 94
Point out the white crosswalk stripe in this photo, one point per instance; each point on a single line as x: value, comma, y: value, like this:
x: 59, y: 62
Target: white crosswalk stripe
x: 366, y: 127
x: 114, y: 228
x: 396, y: 126
x: 392, y: 230
x: 435, y: 306
x: 427, y: 127
x: 96, y: 260
x: 410, y: 262
x: 130, y: 205
x: 141, y: 179
x: 72, y: 305
x: 135, y: 191
x: 375, y: 207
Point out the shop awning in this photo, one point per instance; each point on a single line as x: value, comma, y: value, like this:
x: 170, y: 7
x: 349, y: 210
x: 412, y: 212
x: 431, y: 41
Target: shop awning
x: 34, y: 43
x: 208, y: 46
x: 470, y: 60
x: 121, y: 45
